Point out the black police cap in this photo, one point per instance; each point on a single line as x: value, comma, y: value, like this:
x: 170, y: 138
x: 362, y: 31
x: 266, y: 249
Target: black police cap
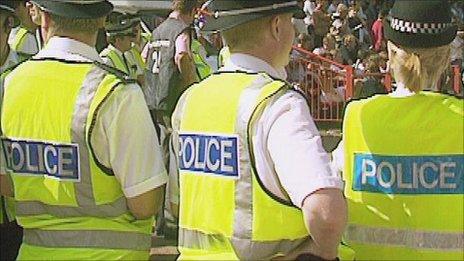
x: 76, y: 9
x: 226, y: 14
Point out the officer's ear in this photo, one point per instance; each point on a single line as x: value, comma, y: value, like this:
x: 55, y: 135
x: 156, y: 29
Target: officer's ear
x: 10, y: 23
x: 276, y: 27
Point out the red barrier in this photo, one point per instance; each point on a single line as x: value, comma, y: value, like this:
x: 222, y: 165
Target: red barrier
x: 322, y: 81
x: 328, y: 85
x: 457, y: 80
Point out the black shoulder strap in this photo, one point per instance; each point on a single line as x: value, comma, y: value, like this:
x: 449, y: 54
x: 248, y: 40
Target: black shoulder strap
x: 119, y: 74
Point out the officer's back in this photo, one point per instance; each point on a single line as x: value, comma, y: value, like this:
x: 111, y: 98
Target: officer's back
x: 85, y: 180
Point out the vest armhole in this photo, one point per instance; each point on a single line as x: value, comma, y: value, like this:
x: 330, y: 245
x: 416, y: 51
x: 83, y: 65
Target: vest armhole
x: 285, y: 87
x: 105, y: 169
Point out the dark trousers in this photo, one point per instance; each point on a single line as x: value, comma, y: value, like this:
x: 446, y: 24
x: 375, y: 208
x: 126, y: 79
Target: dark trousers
x: 11, y: 236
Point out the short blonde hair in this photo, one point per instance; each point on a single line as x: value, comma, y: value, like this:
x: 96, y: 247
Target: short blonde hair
x: 71, y: 25
x: 247, y: 35
x: 418, y: 68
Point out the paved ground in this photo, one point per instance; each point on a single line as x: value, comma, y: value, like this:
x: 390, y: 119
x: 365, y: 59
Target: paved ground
x: 165, y: 249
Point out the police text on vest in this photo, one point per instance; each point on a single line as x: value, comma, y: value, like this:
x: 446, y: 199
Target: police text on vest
x: 42, y: 158
x: 209, y: 154
x: 409, y: 174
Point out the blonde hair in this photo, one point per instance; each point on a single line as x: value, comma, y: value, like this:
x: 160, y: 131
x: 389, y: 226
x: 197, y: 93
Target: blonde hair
x: 248, y: 35
x: 418, y: 68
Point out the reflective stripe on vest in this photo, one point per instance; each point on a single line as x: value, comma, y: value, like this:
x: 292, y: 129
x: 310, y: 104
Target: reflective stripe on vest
x: 138, y: 58
x: 56, y: 212
x: 86, y: 238
x: 118, y: 62
x: 404, y: 173
x: 19, y: 40
x: 403, y: 237
x: 253, y: 235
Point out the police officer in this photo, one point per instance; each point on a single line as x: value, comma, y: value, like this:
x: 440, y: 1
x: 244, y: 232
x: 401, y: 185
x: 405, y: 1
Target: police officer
x: 171, y: 66
x: 22, y: 38
x: 88, y: 175
x: 403, y: 152
x: 119, y: 34
x: 134, y: 56
x: 253, y: 173
x: 8, y: 56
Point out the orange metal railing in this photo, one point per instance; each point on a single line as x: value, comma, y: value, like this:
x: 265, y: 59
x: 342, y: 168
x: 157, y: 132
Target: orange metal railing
x: 328, y: 85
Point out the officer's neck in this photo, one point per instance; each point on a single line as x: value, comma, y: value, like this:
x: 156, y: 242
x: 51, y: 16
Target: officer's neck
x: 88, y: 39
x: 262, y: 54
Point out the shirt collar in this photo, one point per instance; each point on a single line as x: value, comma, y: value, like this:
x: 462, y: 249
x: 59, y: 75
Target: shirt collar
x: 69, y: 49
x: 252, y: 64
x: 401, y: 91
x: 112, y: 48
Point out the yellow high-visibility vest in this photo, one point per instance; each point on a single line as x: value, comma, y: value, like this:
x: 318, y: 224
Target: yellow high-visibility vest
x: 203, y: 68
x: 117, y: 60
x: 70, y: 205
x: 404, y: 172
x: 225, y: 211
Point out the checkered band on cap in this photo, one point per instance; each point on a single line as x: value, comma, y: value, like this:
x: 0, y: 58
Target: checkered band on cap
x: 418, y: 28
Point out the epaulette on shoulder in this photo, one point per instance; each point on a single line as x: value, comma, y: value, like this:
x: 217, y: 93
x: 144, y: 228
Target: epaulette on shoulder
x: 119, y: 74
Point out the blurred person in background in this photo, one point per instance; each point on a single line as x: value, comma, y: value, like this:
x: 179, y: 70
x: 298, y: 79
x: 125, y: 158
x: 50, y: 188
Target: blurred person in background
x: 349, y: 49
x: 378, y: 38
x: 119, y: 32
x: 22, y: 39
x: 134, y: 56
x: 35, y: 16
x: 321, y: 21
x: 171, y: 70
x: 371, y: 83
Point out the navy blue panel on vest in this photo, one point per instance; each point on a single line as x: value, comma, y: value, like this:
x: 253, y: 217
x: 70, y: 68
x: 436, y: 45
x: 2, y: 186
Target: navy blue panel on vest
x: 423, y: 174
x: 42, y: 158
x: 212, y: 154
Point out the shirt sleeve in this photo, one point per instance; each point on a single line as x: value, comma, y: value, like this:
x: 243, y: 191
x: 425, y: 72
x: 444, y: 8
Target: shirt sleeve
x: 182, y: 45
x: 125, y: 140
x: 30, y: 45
x: 303, y: 167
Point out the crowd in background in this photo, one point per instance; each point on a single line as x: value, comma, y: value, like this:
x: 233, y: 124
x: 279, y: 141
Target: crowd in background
x: 351, y: 33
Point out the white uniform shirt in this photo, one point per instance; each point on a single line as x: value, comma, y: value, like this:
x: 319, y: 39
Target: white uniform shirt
x: 30, y: 47
x: 11, y: 60
x: 124, y: 138
x: 290, y: 159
